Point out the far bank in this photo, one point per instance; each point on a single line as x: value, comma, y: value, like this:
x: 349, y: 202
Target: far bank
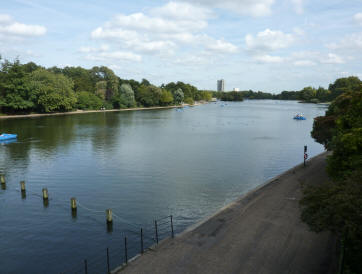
x: 35, y: 115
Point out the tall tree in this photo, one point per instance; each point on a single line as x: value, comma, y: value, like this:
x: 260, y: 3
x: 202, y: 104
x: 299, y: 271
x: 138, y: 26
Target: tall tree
x: 100, y: 74
x: 51, y: 92
x: 14, y: 91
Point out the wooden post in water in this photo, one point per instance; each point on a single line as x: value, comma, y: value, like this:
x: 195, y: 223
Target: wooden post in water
x: 22, y: 186
x: 109, y: 215
x: 45, y: 194
x: 73, y: 207
x: 73, y: 204
x: 2, y: 179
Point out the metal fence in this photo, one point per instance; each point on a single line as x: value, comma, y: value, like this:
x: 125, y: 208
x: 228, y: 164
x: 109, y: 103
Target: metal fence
x: 135, y: 243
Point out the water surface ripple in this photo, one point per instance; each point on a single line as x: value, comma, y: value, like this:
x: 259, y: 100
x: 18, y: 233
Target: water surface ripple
x: 142, y: 164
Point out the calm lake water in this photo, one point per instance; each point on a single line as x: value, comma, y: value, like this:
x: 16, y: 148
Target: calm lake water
x: 143, y: 165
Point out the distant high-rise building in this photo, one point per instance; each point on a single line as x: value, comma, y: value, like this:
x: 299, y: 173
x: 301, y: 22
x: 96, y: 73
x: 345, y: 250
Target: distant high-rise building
x: 220, y: 85
x: 236, y: 89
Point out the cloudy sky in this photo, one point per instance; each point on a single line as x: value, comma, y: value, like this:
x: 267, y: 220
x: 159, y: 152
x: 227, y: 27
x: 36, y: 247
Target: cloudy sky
x: 268, y: 45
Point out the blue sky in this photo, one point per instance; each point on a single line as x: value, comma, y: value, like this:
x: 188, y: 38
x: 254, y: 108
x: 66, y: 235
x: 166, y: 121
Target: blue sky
x: 268, y: 45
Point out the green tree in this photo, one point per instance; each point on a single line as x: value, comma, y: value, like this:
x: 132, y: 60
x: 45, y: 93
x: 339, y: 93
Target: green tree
x: 231, y: 96
x: 81, y: 77
x: 336, y: 205
x: 145, y: 82
x: 14, y: 90
x: 205, y: 95
x: 126, y: 97
x: 51, y: 92
x: 106, y: 82
x: 307, y: 94
x: 178, y: 96
x: 166, y: 98
x: 342, y: 85
x: 88, y: 100
x: 101, y: 89
x: 322, y: 94
x: 149, y: 95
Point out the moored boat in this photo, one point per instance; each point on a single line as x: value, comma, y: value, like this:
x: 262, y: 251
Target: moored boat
x: 299, y: 117
x: 6, y: 136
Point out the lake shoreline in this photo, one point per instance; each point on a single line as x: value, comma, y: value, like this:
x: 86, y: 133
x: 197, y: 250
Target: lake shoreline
x: 35, y: 115
x: 273, y: 237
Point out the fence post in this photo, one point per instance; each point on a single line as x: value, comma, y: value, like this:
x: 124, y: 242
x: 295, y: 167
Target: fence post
x: 156, y: 231
x: 85, y: 267
x: 109, y: 271
x: 172, y: 234
x: 141, y: 241
x: 125, y: 250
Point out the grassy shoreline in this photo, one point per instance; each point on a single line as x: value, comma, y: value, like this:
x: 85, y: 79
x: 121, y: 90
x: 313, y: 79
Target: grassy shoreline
x: 35, y: 115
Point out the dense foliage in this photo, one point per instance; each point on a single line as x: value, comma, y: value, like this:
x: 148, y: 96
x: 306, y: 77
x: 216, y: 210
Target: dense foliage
x: 231, y: 96
x: 337, y: 205
x: 307, y: 94
x: 26, y: 88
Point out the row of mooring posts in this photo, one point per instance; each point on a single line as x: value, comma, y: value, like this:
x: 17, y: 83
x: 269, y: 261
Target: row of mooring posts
x: 109, y: 221
x: 45, y: 195
x: 73, y: 207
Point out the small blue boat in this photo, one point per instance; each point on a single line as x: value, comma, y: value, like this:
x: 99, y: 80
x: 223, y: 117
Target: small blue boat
x: 6, y: 136
x: 299, y: 117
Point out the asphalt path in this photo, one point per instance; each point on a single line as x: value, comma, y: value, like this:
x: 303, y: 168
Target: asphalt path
x: 259, y: 233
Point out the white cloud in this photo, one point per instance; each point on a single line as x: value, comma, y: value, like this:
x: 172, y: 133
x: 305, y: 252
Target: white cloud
x: 222, y: 46
x: 9, y: 27
x: 114, y: 55
x: 298, y: 6
x: 304, y: 63
x: 166, y: 47
x: 243, y: 7
x: 268, y: 40
x: 268, y: 59
x: 182, y: 11
x: 350, y: 41
x: 192, y: 60
x: 311, y: 58
x: 163, y: 30
x: 358, y: 18
x: 5, y: 19
x: 332, y: 58
x: 102, y: 48
x: 142, y: 22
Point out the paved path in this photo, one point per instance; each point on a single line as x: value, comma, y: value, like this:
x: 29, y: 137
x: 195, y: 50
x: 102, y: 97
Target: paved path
x: 260, y: 233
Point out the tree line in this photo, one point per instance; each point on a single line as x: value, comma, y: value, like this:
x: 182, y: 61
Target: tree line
x: 27, y: 88
x: 336, y: 205
x: 307, y: 94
